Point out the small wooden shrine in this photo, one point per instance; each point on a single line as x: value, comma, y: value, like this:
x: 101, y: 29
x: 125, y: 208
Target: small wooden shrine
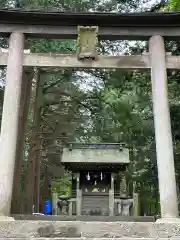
x: 96, y: 180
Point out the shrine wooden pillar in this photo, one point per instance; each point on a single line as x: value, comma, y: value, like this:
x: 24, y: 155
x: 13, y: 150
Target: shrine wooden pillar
x: 78, y: 196
x: 111, y: 196
x: 163, y: 135
x: 10, y: 119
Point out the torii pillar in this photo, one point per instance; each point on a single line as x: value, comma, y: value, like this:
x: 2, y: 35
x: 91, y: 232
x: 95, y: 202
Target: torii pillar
x: 163, y: 135
x: 9, y: 124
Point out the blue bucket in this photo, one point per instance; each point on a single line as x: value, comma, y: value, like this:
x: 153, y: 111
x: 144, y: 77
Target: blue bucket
x: 48, y: 207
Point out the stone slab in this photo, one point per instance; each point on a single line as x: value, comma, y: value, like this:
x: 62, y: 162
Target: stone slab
x: 89, y: 238
x: 5, y: 218
x: 85, y: 218
x: 78, y: 229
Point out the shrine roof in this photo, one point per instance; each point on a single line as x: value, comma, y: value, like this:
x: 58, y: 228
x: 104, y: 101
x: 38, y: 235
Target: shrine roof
x: 16, y: 16
x: 92, y: 155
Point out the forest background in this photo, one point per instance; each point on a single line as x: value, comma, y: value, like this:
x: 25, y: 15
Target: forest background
x: 93, y: 106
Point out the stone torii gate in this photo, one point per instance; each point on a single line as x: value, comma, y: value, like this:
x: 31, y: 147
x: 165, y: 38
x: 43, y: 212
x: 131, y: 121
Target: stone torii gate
x: 137, y: 26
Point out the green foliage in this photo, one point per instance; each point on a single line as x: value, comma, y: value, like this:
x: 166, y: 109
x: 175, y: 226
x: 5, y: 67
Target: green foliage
x: 175, y: 5
x: 62, y: 186
x: 52, y: 46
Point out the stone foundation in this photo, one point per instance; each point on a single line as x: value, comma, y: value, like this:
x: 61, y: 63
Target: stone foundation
x: 82, y: 230
x: 123, y: 238
x: 83, y: 218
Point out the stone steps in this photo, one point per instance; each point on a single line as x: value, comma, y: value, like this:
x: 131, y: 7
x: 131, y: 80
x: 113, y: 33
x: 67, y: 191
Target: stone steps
x: 76, y: 230
x: 122, y: 238
x: 99, y: 204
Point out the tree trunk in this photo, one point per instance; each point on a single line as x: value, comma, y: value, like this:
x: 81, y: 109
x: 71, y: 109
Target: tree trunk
x: 24, y: 106
x: 34, y: 160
